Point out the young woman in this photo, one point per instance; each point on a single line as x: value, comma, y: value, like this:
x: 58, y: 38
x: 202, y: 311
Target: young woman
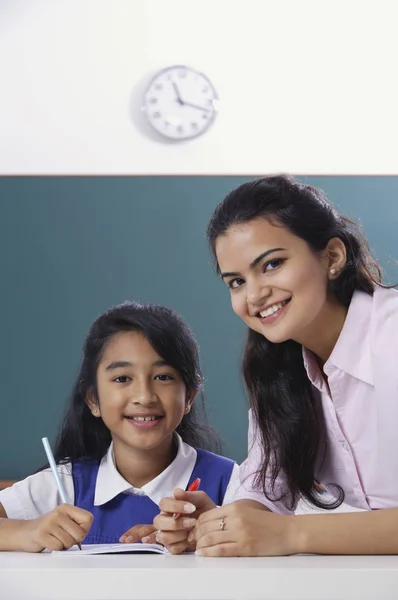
x: 131, y: 435
x: 321, y: 372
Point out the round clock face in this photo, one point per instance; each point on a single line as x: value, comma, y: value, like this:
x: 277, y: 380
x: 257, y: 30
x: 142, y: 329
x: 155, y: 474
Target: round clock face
x: 180, y: 103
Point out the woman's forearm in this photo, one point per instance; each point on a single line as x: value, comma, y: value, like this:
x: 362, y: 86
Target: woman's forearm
x: 370, y: 532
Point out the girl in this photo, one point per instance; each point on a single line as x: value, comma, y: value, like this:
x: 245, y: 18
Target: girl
x: 321, y: 371
x: 132, y: 433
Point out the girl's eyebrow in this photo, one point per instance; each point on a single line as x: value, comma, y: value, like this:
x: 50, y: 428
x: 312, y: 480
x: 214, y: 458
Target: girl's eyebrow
x: 255, y: 262
x: 118, y: 364
x: 124, y: 363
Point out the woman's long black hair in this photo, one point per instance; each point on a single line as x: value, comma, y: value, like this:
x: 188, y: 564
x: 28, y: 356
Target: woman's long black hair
x: 83, y: 435
x: 278, y: 386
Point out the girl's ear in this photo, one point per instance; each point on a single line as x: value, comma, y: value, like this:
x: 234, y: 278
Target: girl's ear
x: 92, y: 403
x: 189, y: 400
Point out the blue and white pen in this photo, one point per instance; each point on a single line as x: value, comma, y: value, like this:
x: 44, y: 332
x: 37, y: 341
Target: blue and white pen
x: 61, y: 489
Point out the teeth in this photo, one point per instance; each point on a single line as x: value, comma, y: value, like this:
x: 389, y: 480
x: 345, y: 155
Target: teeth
x: 272, y: 309
x: 143, y: 418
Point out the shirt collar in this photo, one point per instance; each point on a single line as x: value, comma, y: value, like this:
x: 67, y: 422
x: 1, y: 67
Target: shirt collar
x: 352, y: 352
x: 313, y: 370
x: 110, y: 482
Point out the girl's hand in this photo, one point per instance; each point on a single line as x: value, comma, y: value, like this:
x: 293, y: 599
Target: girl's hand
x: 174, y: 533
x: 240, y: 529
x: 59, y: 529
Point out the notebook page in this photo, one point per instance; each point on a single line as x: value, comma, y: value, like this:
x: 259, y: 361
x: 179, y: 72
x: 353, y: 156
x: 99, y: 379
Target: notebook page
x: 112, y: 549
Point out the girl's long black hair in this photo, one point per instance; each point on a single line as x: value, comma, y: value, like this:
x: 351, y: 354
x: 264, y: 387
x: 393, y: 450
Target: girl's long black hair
x: 83, y: 435
x: 278, y: 386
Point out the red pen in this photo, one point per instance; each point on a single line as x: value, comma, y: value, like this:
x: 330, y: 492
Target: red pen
x: 192, y: 488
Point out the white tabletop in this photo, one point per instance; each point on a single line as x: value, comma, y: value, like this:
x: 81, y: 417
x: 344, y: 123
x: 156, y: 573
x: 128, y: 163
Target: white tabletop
x: 144, y: 577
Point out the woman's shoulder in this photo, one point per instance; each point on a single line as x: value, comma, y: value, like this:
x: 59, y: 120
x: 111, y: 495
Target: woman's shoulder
x: 383, y: 338
x: 385, y: 315
x: 385, y: 302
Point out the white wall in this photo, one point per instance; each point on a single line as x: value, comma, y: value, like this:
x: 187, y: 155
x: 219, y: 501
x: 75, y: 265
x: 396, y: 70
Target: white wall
x: 306, y: 86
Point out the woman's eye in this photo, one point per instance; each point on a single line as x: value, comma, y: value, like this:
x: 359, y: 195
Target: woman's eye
x: 122, y: 379
x: 164, y: 377
x: 235, y: 283
x: 271, y: 265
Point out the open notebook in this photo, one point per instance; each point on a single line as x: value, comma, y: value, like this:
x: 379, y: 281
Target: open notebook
x: 113, y: 549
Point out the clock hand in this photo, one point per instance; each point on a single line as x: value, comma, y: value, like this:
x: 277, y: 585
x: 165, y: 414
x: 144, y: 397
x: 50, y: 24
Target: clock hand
x: 183, y: 103
x: 197, y: 107
x: 179, y: 99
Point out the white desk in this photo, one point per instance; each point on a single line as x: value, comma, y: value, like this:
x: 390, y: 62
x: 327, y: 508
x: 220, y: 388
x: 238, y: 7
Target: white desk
x: 144, y: 577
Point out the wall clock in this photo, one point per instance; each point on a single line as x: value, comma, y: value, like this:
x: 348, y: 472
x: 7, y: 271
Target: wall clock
x: 180, y: 103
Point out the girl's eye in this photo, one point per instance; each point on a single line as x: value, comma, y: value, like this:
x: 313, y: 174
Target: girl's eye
x: 122, y: 379
x: 235, y: 283
x: 271, y: 265
x: 164, y: 377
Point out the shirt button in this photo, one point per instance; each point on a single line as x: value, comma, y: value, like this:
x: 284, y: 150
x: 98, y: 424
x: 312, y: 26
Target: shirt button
x: 345, y: 446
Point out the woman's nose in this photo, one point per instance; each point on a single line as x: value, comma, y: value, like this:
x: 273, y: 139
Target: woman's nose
x: 257, y: 293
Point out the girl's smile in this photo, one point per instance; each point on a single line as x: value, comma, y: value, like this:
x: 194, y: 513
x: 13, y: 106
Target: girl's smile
x: 141, y: 400
x: 144, y: 421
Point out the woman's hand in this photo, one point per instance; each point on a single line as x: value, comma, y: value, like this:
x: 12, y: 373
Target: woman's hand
x: 174, y: 533
x: 243, y: 529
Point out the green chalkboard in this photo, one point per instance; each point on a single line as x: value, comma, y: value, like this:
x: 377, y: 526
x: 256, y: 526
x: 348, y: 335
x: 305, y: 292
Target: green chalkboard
x: 72, y: 246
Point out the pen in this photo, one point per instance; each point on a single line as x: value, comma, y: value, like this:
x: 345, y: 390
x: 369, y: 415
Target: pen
x: 61, y: 489
x: 192, y: 488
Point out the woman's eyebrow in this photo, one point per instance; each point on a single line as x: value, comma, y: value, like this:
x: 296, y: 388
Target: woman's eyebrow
x: 255, y: 262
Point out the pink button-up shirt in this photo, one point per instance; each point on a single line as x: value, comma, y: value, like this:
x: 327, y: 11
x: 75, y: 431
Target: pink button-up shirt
x: 360, y: 411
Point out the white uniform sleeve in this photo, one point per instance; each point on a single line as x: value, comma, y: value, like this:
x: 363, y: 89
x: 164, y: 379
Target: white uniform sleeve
x: 248, y: 470
x: 37, y: 495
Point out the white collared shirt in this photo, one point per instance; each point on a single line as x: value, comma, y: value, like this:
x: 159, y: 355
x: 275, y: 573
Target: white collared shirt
x: 38, y: 494
x: 360, y: 410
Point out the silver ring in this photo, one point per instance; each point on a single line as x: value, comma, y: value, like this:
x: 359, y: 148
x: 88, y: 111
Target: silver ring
x: 222, y: 524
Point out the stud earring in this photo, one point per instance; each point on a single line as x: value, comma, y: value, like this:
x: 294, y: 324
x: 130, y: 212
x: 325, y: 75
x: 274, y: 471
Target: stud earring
x: 187, y: 410
x: 332, y: 271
